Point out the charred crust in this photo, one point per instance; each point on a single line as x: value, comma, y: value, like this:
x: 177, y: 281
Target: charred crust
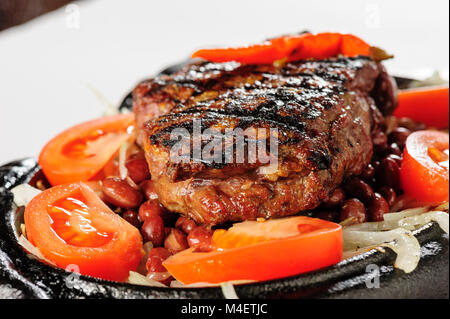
x: 320, y: 158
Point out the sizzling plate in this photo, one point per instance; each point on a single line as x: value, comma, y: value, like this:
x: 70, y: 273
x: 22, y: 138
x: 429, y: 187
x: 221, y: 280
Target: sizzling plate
x: 24, y: 277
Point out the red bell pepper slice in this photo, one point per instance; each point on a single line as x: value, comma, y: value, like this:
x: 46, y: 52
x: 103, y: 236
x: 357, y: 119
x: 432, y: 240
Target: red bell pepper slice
x: 429, y: 105
x: 303, y: 46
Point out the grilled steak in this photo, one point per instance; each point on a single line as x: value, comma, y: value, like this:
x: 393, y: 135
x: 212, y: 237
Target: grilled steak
x: 322, y: 114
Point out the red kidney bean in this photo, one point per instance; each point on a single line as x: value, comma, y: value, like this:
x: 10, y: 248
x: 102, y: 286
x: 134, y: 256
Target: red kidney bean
x: 390, y: 122
x: 368, y: 173
x: 176, y: 241
x: 167, y: 231
x: 150, y: 208
x: 153, y: 230
x: 359, y: 189
x: 420, y: 126
x: 375, y: 164
x: 169, y: 217
x: 379, y: 140
x: 155, y: 258
x: 407, y: 123
x: 330, y: 215
x: 148, y: 187
x: 131, y: 217
x: 394, y: 149
x: 388, y: 174
x: 137, y: 167
x: 335, y: 199
x: 155, y: 268
x: 355, y: 209
x: 119, y: 193
x: 163, y: 277
x: 201, y: 239
x: 185, y: 224
x: 410, y: 124
x: 388, y: 194
x: 397, y: 158
x: 377, y: 208
x: 399, y: 136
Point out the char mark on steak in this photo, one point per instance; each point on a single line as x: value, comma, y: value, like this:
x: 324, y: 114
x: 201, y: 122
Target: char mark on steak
x: 322, y: 114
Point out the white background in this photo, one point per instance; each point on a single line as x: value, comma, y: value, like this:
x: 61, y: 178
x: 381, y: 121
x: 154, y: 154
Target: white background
x: 51, y: 66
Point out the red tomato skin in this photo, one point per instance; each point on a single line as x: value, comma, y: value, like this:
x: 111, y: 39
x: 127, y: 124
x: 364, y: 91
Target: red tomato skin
x: 264, y: 261
x: 112, y: 261
x: 429, y: 105
x: 420, y: 176
x: 60, y: 168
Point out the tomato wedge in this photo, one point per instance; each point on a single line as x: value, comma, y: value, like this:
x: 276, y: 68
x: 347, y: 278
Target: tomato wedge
x: 303, y: 46
x: 254, y: 250
x: 71, y: 226
x: 80, y: 152
x: 424, y: 171
x: 428, y: 105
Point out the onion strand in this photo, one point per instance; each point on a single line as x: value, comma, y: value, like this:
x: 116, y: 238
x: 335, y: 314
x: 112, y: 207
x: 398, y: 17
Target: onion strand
x: 136, y: 278
x: 400, y: 240
x: 228, y: 290
x: 23, y: 194
x: 395, y: 232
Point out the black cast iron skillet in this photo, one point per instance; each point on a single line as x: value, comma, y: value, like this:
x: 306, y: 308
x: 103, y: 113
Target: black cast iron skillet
x: 25, y: 277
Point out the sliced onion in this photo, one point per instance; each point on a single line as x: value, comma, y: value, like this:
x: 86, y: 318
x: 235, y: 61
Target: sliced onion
x: 123, y: 171
x: 179, y: 284
x: 400, y: 240
x: 32, y: 250
x: 371, y: 227
x: 136, y: 278
x: 404, y: 201
x: 110, y: 108
x: 405, y: 213
x: 391, y: 221
x: 394, y: 232
x: 407, y: 248
x: 132, y: 183
x: 228, y: 290
x: 354, y: 252
x: 412, y: 222
x: 147, y: 247
x: 23, y: 194
x: 405, y: 220
x: 433, y: 80
x: 443, y: 207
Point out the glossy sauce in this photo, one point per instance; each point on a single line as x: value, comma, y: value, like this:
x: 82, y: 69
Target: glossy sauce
x: 71, y: 221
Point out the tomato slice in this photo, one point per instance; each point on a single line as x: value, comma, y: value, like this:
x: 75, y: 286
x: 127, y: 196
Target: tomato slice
x: 71, y: 226
x: 80, y: 152
x: 425, y: 170
x: 428, y: 105
x: 254, y: 250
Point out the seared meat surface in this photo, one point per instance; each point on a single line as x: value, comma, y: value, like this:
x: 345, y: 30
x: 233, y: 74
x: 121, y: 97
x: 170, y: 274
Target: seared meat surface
x: 322, y: 114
